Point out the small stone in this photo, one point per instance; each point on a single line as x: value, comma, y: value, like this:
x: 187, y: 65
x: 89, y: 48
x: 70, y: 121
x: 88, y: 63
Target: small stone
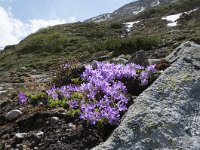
x: 55, y: 119
x: 40, y: 134
x: 21, y: 135
x: 71, y: 125
x: 19, y: 147
x: 35, y: 148
x: 13, y: 114
x: 139, y: 58
x: 41, y: 104
x: 94, y: 64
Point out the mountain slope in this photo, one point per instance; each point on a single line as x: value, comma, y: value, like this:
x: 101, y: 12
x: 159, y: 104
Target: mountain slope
x: 97, y: 41
x: 132, y: 8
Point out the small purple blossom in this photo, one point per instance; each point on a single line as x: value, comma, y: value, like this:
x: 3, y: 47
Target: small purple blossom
x: 52, y: 93
x: 73, y: 104
x: 121, y: 106
x: 144, y: 82
x: 22, y: 98
x: 144, y: 78
x: 152, y: 68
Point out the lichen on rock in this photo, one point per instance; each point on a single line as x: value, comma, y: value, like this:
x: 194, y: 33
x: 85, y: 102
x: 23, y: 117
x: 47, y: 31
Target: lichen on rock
x: 166, y: 115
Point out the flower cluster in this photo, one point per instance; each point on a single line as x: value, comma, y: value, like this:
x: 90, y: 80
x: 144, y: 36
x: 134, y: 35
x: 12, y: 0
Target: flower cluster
x: 102, y: 95
x: 22, y: 98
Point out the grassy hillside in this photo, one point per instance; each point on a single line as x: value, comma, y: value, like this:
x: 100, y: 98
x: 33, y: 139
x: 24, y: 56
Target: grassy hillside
x: 87, y: 41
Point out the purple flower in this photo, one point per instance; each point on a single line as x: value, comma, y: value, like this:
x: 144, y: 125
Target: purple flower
x: 64, y: 91
x: 22, y: 98
x: 144, y: 82
x: 73, y: 104
x: 112, y: 115
x: 104, y: 92
x: 52, y: 93
x: 144, y: 75
x: 121, y: 106
x: 152, y: 68
x: 144, y: 78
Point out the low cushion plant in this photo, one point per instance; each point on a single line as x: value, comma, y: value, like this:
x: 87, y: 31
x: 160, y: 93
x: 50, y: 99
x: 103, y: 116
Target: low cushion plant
x: 102, y: 95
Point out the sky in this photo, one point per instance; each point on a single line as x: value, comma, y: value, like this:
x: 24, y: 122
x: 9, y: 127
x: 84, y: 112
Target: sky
x: 20, y: 18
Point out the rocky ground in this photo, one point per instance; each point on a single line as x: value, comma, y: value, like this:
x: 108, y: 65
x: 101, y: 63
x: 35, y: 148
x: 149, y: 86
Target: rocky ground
x: 36, y: 126
x: 39, y: 127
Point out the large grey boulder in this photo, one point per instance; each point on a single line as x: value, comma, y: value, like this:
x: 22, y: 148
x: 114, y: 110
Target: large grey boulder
x: 167, y: 114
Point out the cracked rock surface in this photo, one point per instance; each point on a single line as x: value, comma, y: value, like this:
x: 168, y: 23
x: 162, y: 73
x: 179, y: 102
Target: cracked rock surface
x: 166, y: 115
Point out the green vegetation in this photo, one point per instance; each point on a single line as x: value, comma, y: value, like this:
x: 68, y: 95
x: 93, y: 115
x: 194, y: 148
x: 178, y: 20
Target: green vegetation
x: 67, y: 74
x: 37, y: 96
x: 88, y: 41
x: 57, y: 103
x: 116, y: 25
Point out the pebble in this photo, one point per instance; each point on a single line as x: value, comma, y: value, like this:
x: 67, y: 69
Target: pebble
x: 19, y: 146
x: 55, y: 119
x: 40, y: 134
x: 94, y: 64
x: 20, y: 135
x: 13, y: 114
x: 71, y: 125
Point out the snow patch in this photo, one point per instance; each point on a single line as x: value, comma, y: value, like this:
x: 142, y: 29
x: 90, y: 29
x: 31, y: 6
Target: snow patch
x: 172, y: 19
x: 188, y: 12
x: 137, y: 12
x: 129, y: 25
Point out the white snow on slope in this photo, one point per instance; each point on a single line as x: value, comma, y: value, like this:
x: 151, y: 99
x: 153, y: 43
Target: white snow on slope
x: 137, y: 12
x: 129, y: 25
x: 188, y: 12
x: 172, y: 19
